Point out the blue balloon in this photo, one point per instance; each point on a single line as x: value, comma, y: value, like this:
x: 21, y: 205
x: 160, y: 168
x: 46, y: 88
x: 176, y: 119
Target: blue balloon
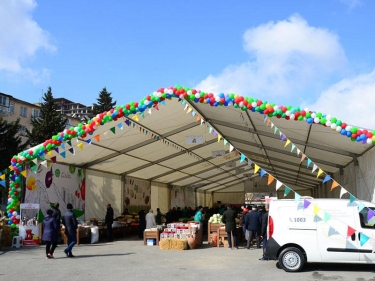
x: 10, y: 222
x: 225, y: 103
x: 310, y: 120
x: 196, y: 100
x: 208, y: 100
x: 216, y: 103
x: 253, y: 109
x: 221, y: 95
x: 343, y: 132
x: 348, y: 134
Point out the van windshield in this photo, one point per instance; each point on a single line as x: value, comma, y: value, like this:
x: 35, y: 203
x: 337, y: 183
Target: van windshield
x: 363, y: 218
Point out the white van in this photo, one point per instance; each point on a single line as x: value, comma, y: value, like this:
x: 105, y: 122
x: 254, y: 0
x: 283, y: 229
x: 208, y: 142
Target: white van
x: 320, y: 230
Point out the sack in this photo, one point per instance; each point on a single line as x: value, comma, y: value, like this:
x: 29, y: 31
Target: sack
x: 94, y: 235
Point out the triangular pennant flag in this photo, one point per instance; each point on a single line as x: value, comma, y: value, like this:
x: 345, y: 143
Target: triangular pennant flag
x: 275, y: 130
x: 280, y: 133
x: 71, y: 150
x: 265, y: 118
x: 53, y: 159
x: 97, y: 137
x: 334, y: 185
x: 63, y: 146
x: 287, y: 143
x: 327, y: 217
x: 283, y: 137
x: 319, y: 172
x: 293, y: 147
x: 306, y: 203
x: 202, y: 121
x: 2, y: 177
x: 350, y: 245
x: 317, y: 218
x: 56, y: 149
x: 242, y: 158
x: 278, y: 184
x: 24, y: 173
x: 297, y: 197
x: 352, y: 198
x: 186, y: 106
x: 360, y: 206
x: 162, y: 102
x: 120, y: 126
x: 262, y: 173
x: 256, y: 168
x: 49, y: 153
x: 142, y: 114
x: 286, y: 191
x: 69, y: 142
x: 363, y: 239
x: 303, y: 157
x: 80, y: 145
x: 298, y: 151
x: 215, y: 133
x: 44, y: 163
x: 3, y: 183
x: 268, y: 122
x: 326, y: 178
x: 35, y: 168
x: 189, y: 110
x: 343, y: 191
x: 249, y: 162
x: 272, y: 125
x: 63, y: 154
x: 225, y: 142
x: 113, y: 130
x: 370, y: 214
x: 89, y: 141
x: 316, y: 210
x: 270, y: 179
x: 127, y: 122
x: 135, y: 118
x: 314, y: 168
x: 218, y: 138
x: 231, y: 148
x: 350, y: 231
x: 197, y: 118
x: 149, y: 111
x: 332, y: 231
x: 308, y: 162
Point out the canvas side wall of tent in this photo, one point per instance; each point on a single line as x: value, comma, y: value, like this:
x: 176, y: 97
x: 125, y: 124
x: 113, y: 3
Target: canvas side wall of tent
x: 206, y: 148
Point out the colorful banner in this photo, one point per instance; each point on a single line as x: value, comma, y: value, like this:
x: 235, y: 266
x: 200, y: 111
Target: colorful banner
x: 137, y: 193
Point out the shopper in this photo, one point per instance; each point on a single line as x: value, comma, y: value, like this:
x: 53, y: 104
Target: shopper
x: 253, y: 222
x: 159, y: 215
x: 109, y: 222
x: 142, y: 222
x: 229, y: 218
x: 263, y: 233
x: 57, y: 216
x: 50, y: 230
x: 150, y: 220
x: 69, y: 220
x: 198, y: 215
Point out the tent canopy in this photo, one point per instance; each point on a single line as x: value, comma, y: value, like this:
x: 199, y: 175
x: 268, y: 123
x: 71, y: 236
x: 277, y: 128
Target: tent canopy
x: 153, y: 146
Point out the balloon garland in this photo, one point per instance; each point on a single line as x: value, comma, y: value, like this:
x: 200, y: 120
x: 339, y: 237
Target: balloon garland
x: 244, y: 103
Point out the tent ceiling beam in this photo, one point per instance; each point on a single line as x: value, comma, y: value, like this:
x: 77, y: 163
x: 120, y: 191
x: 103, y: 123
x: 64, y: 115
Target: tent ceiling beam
x: 234, y: 182
x: 273, y: 136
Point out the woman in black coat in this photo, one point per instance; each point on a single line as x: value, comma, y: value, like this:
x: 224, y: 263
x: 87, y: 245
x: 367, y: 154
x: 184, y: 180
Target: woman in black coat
x: 50, y: 235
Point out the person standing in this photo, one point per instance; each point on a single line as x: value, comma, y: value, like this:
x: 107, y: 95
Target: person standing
x: 263, y: 232
x: 50, y: 229
x: 253, y: 222
x: 150, y: 219
x: 57, y: 216
x: 142, y: 222
x: 159, y: 215
x: 109, y: 222
x: 69, y: 220
x: 229, y: 218
x: 245, y: 210
x: 198, y: 215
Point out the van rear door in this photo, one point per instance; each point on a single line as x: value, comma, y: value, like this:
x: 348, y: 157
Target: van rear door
x: 365, y: 234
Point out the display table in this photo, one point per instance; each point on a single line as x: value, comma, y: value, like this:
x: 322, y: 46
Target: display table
x: 154, y: 234
x: 221, y: 233
x: 212, y: 227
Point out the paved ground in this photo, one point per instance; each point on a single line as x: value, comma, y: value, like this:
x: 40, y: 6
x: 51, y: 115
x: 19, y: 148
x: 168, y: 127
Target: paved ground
x: 128, y: 259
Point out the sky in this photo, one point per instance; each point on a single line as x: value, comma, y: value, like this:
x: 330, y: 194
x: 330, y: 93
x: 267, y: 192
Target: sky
x: 315, y: 54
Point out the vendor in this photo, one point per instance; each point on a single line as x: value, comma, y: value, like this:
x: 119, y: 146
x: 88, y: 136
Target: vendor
x: 198, y: 215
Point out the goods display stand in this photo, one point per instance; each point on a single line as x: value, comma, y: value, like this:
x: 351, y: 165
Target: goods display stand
x: 184, y: 231
x: 211, y: 229
x: 222, y: 236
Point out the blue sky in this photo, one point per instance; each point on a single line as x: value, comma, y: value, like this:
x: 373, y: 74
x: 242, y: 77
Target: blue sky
x: 316, y: 54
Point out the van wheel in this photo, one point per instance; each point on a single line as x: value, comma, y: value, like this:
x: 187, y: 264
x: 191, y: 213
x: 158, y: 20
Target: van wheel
x: 291, y: 259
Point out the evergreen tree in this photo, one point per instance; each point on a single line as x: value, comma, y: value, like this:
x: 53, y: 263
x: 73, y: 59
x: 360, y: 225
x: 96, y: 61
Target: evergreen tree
x: 49, y: 123
x: 104, y: 102
x: 10, y: 145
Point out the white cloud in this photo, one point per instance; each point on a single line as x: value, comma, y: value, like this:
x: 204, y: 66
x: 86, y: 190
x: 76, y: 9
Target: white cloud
x: 350, y: 100
x: 286, y: 57
x: 21, y: 39
x: 352, y: 3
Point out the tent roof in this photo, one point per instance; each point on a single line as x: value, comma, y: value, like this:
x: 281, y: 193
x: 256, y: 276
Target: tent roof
x: 155, y: 147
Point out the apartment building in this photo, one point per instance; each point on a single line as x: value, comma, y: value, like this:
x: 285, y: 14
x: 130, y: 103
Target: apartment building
x: 74, y: 109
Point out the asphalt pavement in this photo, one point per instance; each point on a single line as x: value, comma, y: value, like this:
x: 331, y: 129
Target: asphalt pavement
x: 129, y: 259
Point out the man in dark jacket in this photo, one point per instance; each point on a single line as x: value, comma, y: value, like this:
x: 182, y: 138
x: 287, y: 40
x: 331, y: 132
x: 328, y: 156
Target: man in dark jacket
x: 263, y: 232
x: 229, y: 218
x: 50, y: 228
x: 253, y: 223
x: 57, y: 216
x: 109, y: 222
x: 69, y: 220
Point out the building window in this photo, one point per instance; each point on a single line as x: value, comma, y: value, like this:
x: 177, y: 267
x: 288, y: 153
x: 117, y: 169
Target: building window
x: 22, y: 130
x: 11, y: 107
x: 35, y: 113
x: 23, y: 111
x: 4, y: 101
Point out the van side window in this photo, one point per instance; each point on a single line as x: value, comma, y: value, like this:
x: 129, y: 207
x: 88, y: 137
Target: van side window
x: 363, y: 219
